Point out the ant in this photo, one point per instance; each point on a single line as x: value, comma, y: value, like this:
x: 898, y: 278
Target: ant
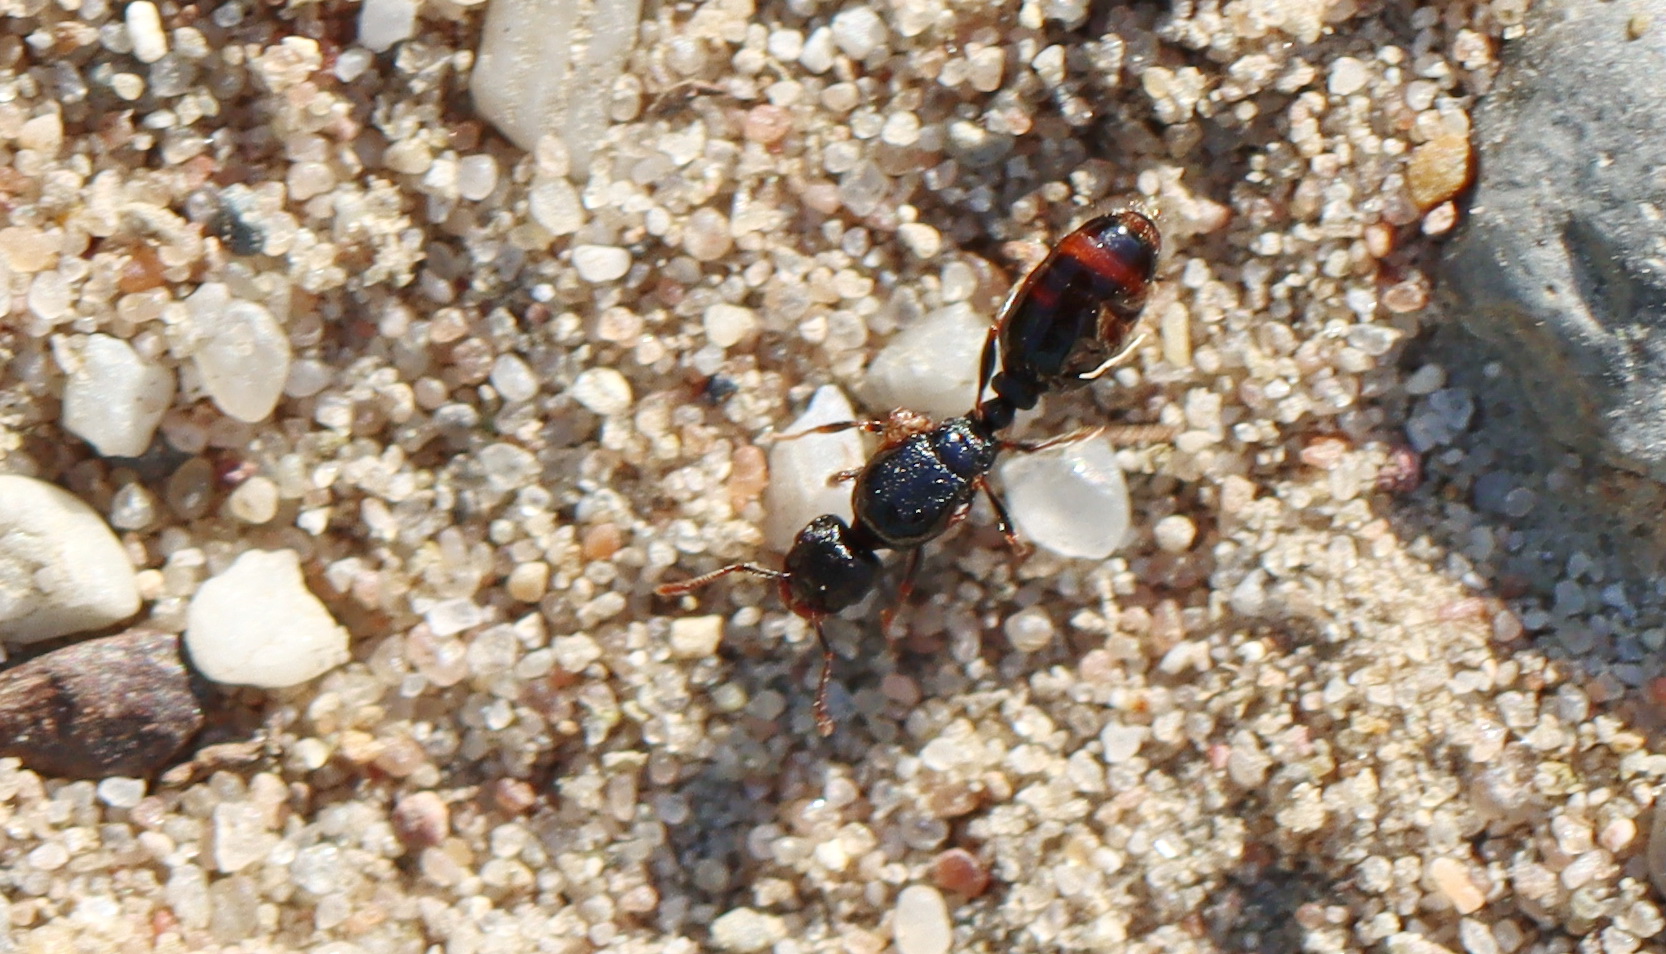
x: 1066, y: 323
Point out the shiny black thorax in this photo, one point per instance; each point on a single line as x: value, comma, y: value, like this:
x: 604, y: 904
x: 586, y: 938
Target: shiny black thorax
x: 910, y: 492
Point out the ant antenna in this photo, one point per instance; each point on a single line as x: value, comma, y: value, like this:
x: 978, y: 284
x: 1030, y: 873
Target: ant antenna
x: 824, y: 721
x: 690, y: 585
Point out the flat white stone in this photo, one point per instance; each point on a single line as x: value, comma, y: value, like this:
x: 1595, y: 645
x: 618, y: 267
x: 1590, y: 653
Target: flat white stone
x: 1069, y: 499
x: 382, y: 23
x: 113, y: 399
x: 61, y: 568
x: 527, y: 83
x: 144, y: 31
x: 920, y: 923
x: 257, y: 624
x: 798, y: 491
x: 242, y: 352
x: 932, y: 365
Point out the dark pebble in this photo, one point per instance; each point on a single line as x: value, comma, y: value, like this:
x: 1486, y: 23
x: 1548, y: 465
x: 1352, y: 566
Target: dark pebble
x: 1558, y: 260
x: 122, y: 705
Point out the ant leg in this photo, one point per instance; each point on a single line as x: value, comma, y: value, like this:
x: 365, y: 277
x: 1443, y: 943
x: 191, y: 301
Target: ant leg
x: 986, y: 364
x: 824, y: 721
x: 1030, y: 447
x: 1115, y: 359
x: 837, y: 427
x: 689, y: 586
x: 1003, y: 520
x: 840, y: 476
x: 910, y: 566
x: 1118, y: 434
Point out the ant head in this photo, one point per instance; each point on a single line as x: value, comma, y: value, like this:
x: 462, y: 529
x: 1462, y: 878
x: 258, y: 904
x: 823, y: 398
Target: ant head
x: 827, y: 570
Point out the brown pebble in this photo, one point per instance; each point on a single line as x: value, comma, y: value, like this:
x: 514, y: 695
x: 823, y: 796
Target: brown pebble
x: 421, y: 820
x: 960, y: 871
x: 122, y: 705
x: 767, y: 124
x: 141, y: 272
x: 601, y: 542
x: 513, y: 795
x: 748, y: 475
x: 1438, y: 170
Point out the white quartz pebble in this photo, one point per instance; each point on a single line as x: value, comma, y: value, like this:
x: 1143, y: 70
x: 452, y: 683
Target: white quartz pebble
x: 601, y: 263
x: 61, y: 568
x: 113, y: 399
x: 144, y: 31
x: 242, y: 352
x: 1069, y: 499
x: 257, y: 624
x: 382, y: 23
x: 603, y: 391
x: 932, y: 365
x: 798, y: 491
x: 920, y: 924
x: 533, y: 76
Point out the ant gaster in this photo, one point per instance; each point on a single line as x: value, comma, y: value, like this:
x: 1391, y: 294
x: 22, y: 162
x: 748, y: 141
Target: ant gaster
x: 1066, y: 323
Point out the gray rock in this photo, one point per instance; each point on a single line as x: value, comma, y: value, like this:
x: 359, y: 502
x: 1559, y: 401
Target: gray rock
x: 1558, y: 262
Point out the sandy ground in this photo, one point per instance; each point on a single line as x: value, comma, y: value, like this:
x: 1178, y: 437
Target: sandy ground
x: 1353, y: 697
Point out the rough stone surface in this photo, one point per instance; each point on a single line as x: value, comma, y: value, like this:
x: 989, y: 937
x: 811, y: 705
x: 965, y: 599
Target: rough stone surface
x: 257, y: 624
x: 121, y: 705
x: 1557, y: 261
x: 61, y: 569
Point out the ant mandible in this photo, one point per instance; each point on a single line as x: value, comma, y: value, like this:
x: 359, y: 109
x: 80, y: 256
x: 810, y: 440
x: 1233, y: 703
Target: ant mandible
x: 1064, y: 324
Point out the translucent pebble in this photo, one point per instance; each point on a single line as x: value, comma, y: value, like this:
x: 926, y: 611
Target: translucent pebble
x: 728, y: 325
x: 61, y: 569
x: 242, y: 352
x: 1122, y: 742
x: 798, y: 491
x: 746, y: 931
x: 862, y: 188
x: 255, y: 501
x: 257, y: 624
x: 476, y: 177
x: 454, y: 616
x: 707, y: 237
x: 554, y: 204
x: 132, y: 507
x: 931, y: 365
x: 920, y: 923
x: 119, y: 792
x: 113, y: 399
x: 1174, y: 533
x: 49, y: 296
x: 1347, y: 76
x: 858, y: 31
x: 817, y: 54
x: 696, y: 637
x: 240, y: 835
x: 601, y: 263
x: 513, y: 379
x: 1069, y: 499
x: 546, y: 68
x: 1030, y: 630
x: 922, y: 240
x: 144, y: 31
x: 382, y: 23
x: 603, y: 391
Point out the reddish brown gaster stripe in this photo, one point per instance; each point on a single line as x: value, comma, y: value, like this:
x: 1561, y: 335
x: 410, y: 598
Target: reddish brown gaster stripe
x: 1082, y: 249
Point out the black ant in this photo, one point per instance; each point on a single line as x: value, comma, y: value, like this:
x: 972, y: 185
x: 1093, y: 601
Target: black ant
x: 1065, y: 324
